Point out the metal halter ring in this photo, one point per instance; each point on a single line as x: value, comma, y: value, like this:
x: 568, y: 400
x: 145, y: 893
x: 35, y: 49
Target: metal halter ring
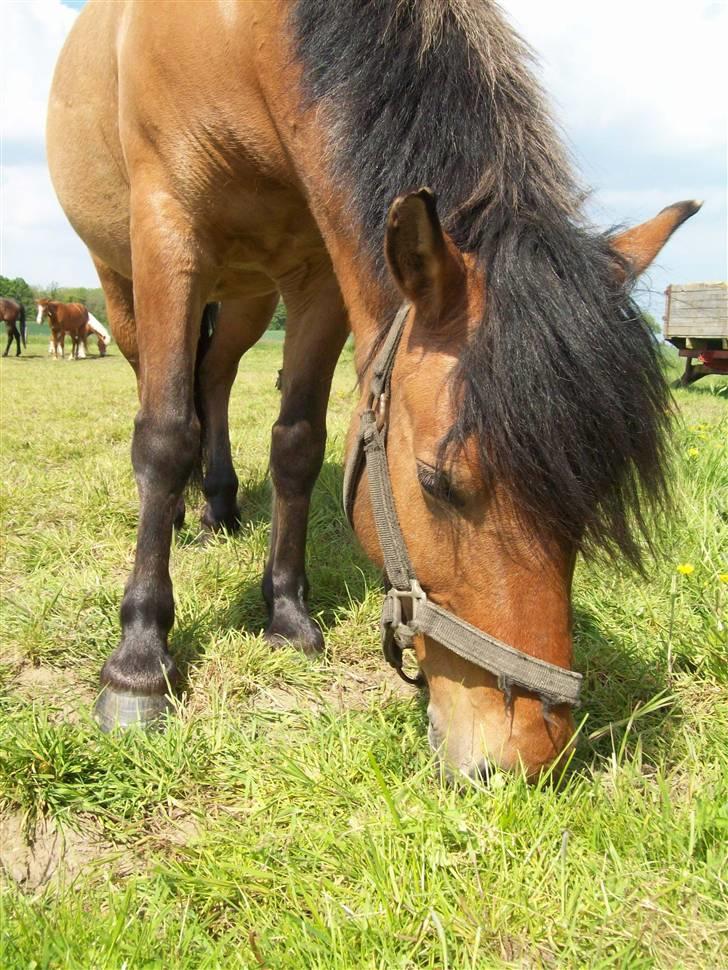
x: 397, y: 634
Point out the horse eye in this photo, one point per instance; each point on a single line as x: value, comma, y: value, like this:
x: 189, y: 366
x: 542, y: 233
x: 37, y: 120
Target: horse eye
x: 437, y: 484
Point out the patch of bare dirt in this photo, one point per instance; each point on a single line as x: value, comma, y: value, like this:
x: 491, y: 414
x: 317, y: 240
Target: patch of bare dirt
x: 58, y: 689
x: 50, y: 856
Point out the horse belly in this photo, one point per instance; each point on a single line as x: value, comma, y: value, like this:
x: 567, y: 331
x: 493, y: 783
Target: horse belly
x: 84, y: 151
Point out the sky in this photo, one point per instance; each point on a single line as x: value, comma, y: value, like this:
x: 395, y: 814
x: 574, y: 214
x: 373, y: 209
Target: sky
x: 638, y: 88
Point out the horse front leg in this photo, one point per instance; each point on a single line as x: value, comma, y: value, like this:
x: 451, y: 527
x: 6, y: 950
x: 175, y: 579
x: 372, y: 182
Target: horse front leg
x: 139, y: 675
x: 316, y: 329
x: 10, y: 341
x: 119, y: 296
x: 239, y: 325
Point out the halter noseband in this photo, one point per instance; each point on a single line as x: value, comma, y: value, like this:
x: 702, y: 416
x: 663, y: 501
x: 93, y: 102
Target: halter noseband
x: 553, y: 684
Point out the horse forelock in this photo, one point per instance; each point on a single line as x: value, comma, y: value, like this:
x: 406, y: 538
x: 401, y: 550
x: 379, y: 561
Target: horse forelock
x: 441, y: 93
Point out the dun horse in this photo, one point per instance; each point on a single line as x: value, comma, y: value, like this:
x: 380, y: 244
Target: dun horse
x: 241, y: 151
x: 12, y: 312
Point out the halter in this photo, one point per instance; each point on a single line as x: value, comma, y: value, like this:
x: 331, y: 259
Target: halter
x: 553, y: 684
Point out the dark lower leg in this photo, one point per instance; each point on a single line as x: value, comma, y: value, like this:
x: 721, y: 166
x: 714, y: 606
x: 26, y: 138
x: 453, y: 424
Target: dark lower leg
x: 240, y: 324
x: 297, y: 451
x: 313, y: 343
x: 163, y: 453
x: 119, y: 295
x: 140, y: 672
x: 220, y: 483
x: 7, y: 349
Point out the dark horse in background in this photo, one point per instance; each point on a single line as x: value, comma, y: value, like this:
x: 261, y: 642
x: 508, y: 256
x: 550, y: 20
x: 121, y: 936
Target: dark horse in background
x: 12, y: 312
x: 237, y: 151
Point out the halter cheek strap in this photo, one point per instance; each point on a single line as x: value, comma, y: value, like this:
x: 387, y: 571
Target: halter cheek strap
x: 553, y: 684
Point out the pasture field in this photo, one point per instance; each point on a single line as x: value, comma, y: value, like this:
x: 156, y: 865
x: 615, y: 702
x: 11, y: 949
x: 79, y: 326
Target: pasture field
x: 291, y: 816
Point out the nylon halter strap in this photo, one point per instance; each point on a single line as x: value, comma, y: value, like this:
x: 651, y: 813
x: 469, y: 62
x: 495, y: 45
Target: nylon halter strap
x: 553, y: 684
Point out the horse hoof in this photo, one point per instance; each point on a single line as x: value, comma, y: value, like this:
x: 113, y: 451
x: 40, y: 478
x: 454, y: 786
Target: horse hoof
x: 120, y: 709
x: 306, y: 637
x: 226, y: 523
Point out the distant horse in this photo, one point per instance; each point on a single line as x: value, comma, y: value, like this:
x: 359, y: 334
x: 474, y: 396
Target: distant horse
x: 64, y: 318
x: 13, y: 313
x: 520, y: 390
x: 103, y: 337
x: 93, y: 328
x: 96, y: 329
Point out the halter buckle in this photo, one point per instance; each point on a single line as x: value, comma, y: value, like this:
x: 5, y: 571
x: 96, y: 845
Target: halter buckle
x: 415, y: 593
x: 396, y: 634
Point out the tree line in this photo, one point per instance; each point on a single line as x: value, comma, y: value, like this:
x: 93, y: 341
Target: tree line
x: 91, y: 296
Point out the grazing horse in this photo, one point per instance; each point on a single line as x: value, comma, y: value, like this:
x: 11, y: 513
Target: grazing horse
x: 232, y: 152
x: 65, y: 318
x: 13, y: 313
x: 96, y: 329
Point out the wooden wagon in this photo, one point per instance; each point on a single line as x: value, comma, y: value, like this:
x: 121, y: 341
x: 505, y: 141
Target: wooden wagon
x: 696, y: 322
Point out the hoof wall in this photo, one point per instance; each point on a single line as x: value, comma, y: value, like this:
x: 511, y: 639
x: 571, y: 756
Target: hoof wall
x: 311, y: 645
x: 120, y: 709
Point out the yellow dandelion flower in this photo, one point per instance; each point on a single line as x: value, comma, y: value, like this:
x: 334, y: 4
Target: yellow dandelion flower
x: 685, y: 568
x: 723, y: 577
x: 693, y: 452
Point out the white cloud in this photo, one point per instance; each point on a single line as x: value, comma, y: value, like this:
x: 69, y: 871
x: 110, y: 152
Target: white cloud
x: 36, y: 241
x: 36, y: 29
x: 657, y: 68
x: 638, y: 86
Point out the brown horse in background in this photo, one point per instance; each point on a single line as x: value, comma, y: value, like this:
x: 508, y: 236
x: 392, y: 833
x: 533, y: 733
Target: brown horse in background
x: 12, y: 312
x: 65, y: 318
x: 237, y: 151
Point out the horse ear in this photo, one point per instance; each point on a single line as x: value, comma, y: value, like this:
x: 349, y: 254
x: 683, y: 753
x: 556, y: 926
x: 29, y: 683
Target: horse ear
x: 637, y: 247
x: 422, y: 260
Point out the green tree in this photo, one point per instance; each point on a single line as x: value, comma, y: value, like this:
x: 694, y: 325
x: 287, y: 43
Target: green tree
x: 90, y: 296
x: 18, y: 289
x: 279, y: 317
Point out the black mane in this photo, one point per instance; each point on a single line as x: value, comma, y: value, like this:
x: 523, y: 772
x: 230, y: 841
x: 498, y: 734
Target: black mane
x: 561, y: 383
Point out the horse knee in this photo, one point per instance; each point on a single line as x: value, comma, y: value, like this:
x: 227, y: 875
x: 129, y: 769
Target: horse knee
x: 297, y: 452
x: 164, y: 451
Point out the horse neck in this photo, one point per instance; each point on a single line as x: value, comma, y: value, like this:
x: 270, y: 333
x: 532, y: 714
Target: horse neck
x: 371, y: 301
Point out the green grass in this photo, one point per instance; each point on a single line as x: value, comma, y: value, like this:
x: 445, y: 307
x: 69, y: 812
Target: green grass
x: 291, y: 816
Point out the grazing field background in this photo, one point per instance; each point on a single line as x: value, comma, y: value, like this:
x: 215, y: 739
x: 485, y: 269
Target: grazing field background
x: 291, y: 815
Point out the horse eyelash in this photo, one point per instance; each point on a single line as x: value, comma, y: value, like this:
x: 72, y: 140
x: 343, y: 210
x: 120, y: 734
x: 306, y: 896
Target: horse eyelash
x: 437, y: 484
